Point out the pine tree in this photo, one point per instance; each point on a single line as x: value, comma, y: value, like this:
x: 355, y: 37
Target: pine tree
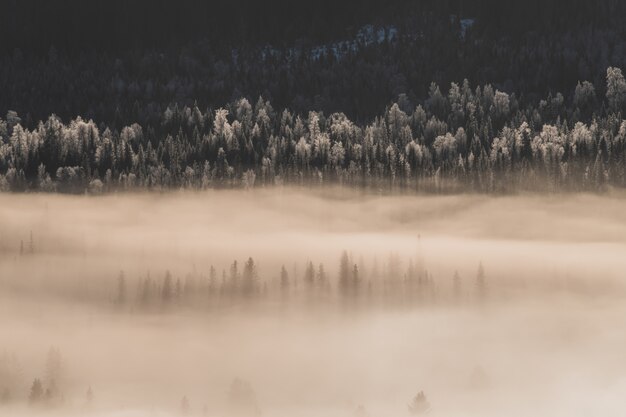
x: 284, y: 279
x: 420, y: 405
x: 167, y: 290
x: 121, y: 289
x: 6, y: 396
x: 309, y: 276
x: 481, y: 282
x: 356, y: 281
x: 456, y: 284
x: 184, y: 406
x: 54, y: 367
x: 249, y: 278
x: 322, y: 282
x: 344, y: 273
x: 31, y: 244
x: 615, y: 89
x: 36, y: 392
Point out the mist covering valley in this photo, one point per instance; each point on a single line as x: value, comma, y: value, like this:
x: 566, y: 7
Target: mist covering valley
x: 330, y: 208
x: 341, y: 303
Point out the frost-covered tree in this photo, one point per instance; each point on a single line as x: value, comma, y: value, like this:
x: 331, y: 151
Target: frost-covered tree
x: 585, y: 98
x: 615, y: 89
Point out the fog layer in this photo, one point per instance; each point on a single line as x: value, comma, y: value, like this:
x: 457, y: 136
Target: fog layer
x: 131, y: 305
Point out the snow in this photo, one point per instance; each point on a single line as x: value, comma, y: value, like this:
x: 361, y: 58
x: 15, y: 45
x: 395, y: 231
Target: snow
x: 465, y: 25
x: 367, y: 35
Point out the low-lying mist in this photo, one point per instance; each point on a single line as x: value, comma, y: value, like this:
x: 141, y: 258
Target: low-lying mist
x: 327, y: 302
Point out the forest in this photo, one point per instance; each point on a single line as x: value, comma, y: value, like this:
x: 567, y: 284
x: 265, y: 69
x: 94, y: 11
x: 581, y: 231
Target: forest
x: 478, y: 139
x: 429, y: 96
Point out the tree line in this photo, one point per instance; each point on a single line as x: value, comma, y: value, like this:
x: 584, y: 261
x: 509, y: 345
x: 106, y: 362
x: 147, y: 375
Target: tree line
x: 472, y: 138
x: 389, y: 282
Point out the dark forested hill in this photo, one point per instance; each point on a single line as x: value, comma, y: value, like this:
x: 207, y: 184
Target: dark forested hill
x: 123, y: 61
x: 161, y: 91
x: 115, y: 25
x: 119, y: 24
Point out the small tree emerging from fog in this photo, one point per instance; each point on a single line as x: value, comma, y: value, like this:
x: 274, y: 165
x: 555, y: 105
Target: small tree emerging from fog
x: 54, y: 368
x: 31, y: 244
x: 234, y: 277
x: 121, y: 289
x: 52, y: 393
x: 167, y: 290
x: 322, y: 282
x: 89, y: 396
x: 420, y: 405
x: 361, y: 412
x: 481, y: 282
x: 36, y: 392
x: 284, y: 279
x: 309, y: 275
x: 249, y: 277
x: 356, y: 280
x: 184, y: 406
x: 243, y: 398
x: 478, y: 379
x: 6, y: 396
x: 456, y: 285
x: 344, y: 273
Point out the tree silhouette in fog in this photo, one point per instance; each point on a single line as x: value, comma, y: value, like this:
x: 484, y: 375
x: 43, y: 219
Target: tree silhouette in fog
x: 89, y: 396
x: 36, y: 392
x: 412, y: 285
x: 457, y: 286
x: 309, y: 276
x: 284, y: 280
x: 5, y: 396
x: 167, y: 292
x: 54, y: 371
x: 242, y: 398
x: 249, y: 278
x: 345, y: 274
x: 420, y: 405
x: 121, y: 289
x: 481, y: 282
x: 184, y: 406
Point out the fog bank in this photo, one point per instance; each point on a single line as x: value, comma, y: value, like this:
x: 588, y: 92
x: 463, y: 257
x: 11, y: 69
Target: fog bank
x: 131, y: 305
